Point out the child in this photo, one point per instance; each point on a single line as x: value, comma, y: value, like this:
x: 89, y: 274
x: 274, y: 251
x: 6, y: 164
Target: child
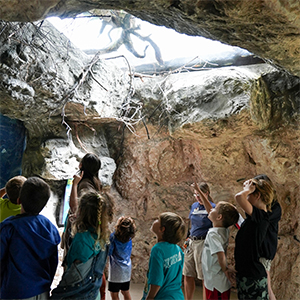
x: 10, y: 207
x: 214, y: 265
x: 251, y: 276
x: 29, y: 242
x: 86, y: 179
x: 86, y: 258
x: 119, y: 258
x: 166, y: 259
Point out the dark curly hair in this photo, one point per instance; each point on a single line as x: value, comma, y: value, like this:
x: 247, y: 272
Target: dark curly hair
x: 125, y: 229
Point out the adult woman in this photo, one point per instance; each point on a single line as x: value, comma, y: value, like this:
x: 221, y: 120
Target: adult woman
x: 86, y: 180
x: 255, y: 199
x: 200, y: 224
x: 270, y: 243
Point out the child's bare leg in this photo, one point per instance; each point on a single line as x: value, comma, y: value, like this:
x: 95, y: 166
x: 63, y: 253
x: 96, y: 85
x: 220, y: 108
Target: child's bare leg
x: 270, y: 291
x: 126, y: 295
x: 114, y: 296
x: 203, y: 288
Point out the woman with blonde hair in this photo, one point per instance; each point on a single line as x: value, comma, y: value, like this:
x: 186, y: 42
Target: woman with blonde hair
x: 255, y: 199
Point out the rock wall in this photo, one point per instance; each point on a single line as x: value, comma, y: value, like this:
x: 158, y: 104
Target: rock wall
x: 224, y: 130
x: 269, y: 29
x: 155, y: 176
x: 155, y: 166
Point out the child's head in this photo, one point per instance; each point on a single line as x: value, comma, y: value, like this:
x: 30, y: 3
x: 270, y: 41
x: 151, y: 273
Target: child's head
x: 125, y: 229
x: 174, y: 227
x: 94, y: 211
x: 263, y: 189
x: 90, y: 165
x: 228, y: 211
x: 34, y: 195
x: 13, y: 187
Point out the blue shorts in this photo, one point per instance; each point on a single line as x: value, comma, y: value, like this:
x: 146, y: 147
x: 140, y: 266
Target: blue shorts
x: 115, y: 287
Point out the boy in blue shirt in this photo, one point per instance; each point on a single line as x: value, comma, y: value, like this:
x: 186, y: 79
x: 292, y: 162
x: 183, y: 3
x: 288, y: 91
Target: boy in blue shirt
x: 29, y: 242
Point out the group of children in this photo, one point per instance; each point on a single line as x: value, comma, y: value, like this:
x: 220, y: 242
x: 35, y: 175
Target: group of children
x: 29, y: 241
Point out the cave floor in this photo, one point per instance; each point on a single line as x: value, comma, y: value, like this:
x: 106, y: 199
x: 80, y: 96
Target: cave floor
x: 136, y: 291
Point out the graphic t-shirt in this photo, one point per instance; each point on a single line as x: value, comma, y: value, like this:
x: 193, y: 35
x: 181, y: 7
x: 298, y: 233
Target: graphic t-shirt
x: 165, y: 270
x: 199, y: 220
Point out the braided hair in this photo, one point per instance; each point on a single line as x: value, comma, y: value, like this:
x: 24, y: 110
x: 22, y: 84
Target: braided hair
x: 94, y: 212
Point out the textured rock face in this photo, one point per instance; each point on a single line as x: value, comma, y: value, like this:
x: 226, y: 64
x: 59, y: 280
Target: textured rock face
x: 214, y: 126
x: 269, y: 29
x: 155, y: 176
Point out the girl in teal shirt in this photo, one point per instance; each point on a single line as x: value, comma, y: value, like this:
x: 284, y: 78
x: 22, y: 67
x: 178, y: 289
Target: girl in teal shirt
x: 88, y: 252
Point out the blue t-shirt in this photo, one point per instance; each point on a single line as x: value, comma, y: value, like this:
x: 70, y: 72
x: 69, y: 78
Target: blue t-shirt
x: 119, y: 260
x: 199, y: 220
x: 29, y: 256
x: 165, y: 270
x: 83, y: 247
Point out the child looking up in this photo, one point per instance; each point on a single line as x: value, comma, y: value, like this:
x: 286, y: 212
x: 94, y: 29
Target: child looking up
x: 10, y: 207
x: 87, y: 255
x: 29, y: 242
x: 214, y: 264
x: 251, y: 276
x: 119, y: 258
x: 166, y: 259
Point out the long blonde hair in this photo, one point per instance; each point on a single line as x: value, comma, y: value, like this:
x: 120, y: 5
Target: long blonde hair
x: 94, y: 212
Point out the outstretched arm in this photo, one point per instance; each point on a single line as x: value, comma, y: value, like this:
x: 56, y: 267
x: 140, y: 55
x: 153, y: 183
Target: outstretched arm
x: 241, y: 197
x: 73, y: 196
x: 203, y: 198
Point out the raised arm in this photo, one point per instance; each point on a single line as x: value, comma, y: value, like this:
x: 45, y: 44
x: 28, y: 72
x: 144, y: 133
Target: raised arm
x: 203, y: 198
x: 74, y: 196
x: 241, y: 197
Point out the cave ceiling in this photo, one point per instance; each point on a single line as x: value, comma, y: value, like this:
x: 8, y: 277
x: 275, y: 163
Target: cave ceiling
x: 269, y: 29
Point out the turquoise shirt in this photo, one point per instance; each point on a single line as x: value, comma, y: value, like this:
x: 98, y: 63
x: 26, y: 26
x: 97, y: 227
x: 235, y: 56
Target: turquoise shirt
x: 165, y: 270
x: 8, y: 209
x: 83, y: 247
